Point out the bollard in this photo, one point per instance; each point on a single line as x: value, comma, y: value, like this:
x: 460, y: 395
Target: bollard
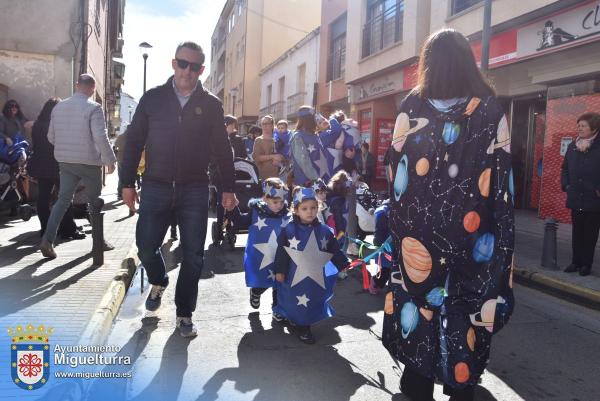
x: 97, y: 218
x: 549, y: 249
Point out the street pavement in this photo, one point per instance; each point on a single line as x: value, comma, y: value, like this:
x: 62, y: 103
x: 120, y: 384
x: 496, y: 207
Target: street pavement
x: 544, y: 353
x: 547, y: 351
x: 62, y: 293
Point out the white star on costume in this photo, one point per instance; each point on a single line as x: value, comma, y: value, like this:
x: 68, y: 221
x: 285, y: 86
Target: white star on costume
x: 271, y: 275
x: 311, y: 148
x: 279, y: 193
x: 442, y: 261
x: 337, y: 157
x: 322, y: 164
x: 309, y: 262
x: 260, y: 223
x: 268, y: 250
x: 294, y: 243
x: 303, y: 300
x: 316, y: 187
x: 506, y: 197
x: 324, y: 243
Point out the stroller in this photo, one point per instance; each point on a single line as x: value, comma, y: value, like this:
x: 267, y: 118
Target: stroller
x: 366, y: 203
x: 13, y: 178
x: 247, y: 186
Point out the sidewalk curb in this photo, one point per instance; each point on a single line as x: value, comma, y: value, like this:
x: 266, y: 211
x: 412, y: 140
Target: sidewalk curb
x: 581, y: 295
x: 98, y: 328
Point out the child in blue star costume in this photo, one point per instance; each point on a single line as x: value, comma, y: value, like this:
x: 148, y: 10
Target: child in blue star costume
x: 338, y: 204
x: 265, y: 221
x: 306, y: 263
x: 308, y: 148
x: 382, y: 232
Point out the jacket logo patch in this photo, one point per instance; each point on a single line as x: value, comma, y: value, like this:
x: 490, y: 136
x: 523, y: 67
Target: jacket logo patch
x: 198, y: 111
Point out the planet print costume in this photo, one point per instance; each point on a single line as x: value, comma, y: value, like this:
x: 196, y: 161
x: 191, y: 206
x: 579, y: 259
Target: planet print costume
x: 451, y: 220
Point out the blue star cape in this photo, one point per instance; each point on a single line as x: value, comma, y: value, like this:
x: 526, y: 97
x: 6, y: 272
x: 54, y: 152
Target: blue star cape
x: 264, y: 227
x: 304, y: 297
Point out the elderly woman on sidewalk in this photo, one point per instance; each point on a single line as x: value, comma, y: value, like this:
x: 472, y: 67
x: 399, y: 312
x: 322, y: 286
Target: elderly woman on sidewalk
x: 580, y: 179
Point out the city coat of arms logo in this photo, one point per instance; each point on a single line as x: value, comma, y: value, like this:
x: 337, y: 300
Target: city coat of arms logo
x: 30, y: 356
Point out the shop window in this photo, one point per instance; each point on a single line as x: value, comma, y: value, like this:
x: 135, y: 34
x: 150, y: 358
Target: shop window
x: 461, y: 5
x: 384, y: 25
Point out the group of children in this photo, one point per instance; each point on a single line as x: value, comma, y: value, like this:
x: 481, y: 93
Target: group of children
x: 298, y: 250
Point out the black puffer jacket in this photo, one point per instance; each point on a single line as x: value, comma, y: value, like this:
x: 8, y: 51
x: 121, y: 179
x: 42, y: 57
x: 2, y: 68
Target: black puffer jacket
x: 179, y: 142
x: 42, y: 163
x: 580, y: 177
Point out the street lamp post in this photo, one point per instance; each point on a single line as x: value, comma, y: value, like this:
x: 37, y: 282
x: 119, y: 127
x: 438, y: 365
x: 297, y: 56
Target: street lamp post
x: 145, y: 49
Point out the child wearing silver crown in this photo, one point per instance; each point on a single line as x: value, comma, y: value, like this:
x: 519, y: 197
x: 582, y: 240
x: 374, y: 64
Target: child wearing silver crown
x: 265, y: 221
x: 307, y: 261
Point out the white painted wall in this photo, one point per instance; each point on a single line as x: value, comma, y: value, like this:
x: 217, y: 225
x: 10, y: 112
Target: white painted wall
x: 307, y: 53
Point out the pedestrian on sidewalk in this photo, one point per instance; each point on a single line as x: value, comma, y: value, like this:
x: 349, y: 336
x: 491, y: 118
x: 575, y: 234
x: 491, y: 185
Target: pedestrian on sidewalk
x: 78, y: 132
x: 236, y: 141
x: 305, y: 278
x: 44, y: 168
x: 451, y: 220
x: 580, y: 179
x: 180, y: 126
x: 119, y: 147
x: 264, y: 223
x: 264, y: 155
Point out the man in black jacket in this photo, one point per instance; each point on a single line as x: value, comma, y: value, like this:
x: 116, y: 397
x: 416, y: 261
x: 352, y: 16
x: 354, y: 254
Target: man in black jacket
x: 180, y: 127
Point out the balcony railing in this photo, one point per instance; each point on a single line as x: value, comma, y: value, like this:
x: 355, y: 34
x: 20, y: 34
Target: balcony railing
x: 276, y: 110
x: 294, y: 102
x: 383, y: 30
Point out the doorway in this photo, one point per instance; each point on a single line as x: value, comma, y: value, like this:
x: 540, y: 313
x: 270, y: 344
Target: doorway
x: 528, y: 127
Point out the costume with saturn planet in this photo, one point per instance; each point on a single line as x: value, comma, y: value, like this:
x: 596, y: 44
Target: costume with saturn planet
x: 451, y: 222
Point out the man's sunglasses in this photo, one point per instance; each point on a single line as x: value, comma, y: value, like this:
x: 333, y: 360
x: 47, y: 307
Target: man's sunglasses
x: 183, y: 64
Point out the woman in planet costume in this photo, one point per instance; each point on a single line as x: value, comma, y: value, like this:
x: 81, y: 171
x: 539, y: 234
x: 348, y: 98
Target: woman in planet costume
x: 307, y: 261
x: 265, y: 221
x: 451, y: 220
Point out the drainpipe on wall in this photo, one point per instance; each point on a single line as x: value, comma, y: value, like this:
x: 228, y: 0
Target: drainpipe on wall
x: 85, y: 33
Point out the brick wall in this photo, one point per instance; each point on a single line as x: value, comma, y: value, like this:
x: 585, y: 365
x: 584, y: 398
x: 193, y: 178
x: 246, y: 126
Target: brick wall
x: 561, y: 120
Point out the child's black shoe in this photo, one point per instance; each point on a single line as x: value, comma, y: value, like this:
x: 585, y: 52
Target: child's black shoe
x: 254, y: 299
x: 305, y: 334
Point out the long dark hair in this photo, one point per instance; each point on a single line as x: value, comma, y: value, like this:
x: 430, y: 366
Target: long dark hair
x: 47, y: 109
x: 306, y: 120
x: 447, y: 68
x: 7, y: 107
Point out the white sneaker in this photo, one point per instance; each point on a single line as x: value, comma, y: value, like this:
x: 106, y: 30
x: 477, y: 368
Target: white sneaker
x: 186, y: 327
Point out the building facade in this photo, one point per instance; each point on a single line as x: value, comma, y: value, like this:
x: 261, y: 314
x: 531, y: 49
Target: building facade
x: 332, y: 92
x: 37, y: 63
x: 543, y: 62
x: 127, y: 110
x: 250, y: 35
x: 289, y: 82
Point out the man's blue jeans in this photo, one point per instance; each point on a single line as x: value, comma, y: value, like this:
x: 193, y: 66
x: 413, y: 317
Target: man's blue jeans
x: 190, y: 203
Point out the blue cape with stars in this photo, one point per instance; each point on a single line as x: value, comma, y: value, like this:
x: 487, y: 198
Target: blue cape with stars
x: 308, y: 255
x: 259, y: 256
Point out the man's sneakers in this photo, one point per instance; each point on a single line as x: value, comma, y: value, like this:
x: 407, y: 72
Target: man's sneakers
x: 47, y: 249
x: 186, y: 327
x: 154, y: 298
x: 254, y: 299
